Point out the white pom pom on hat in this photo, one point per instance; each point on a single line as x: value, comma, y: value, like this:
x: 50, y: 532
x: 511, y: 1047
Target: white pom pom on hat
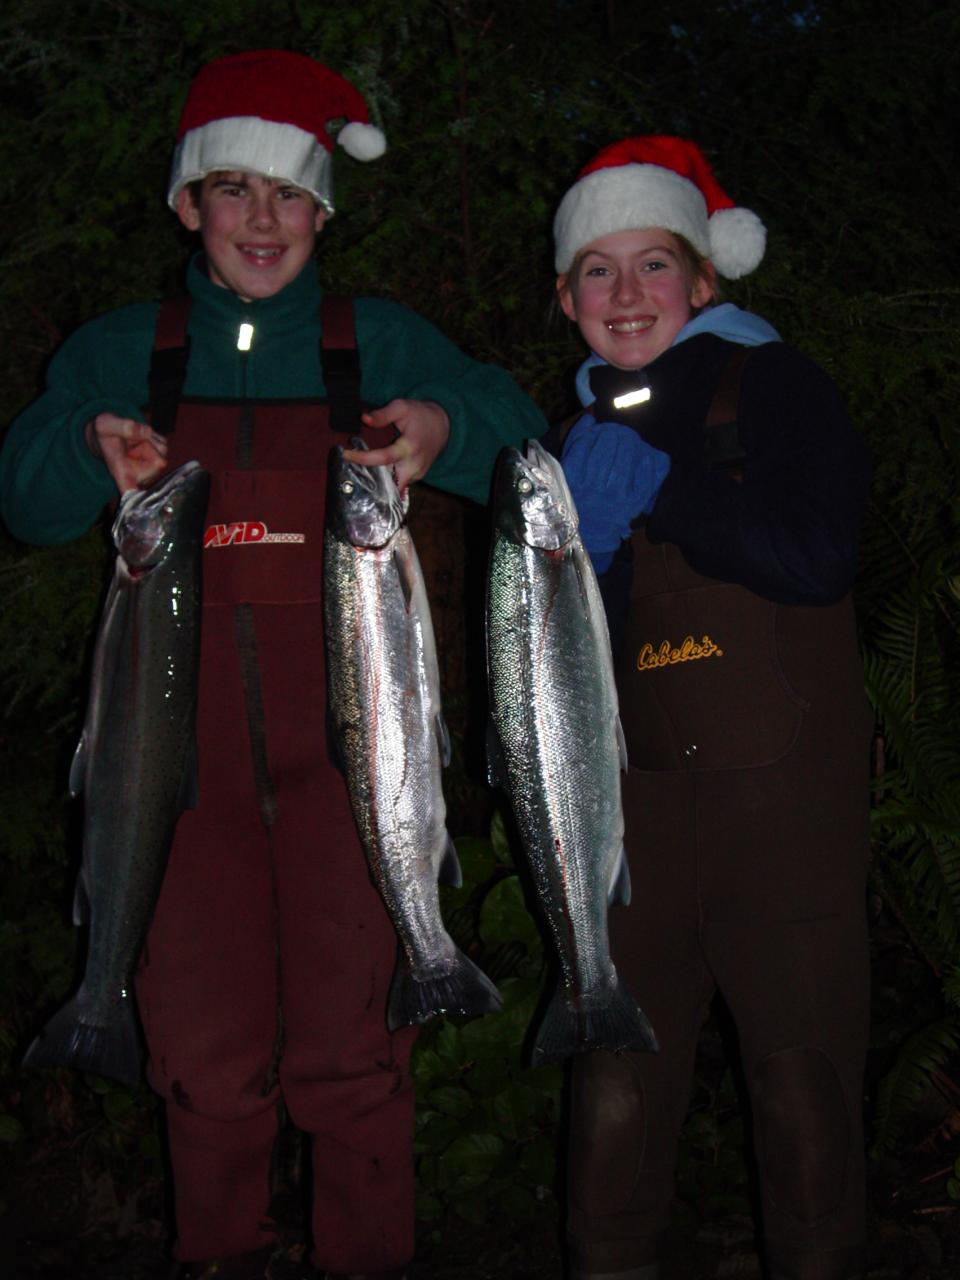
x: 268, y: 111
x: 658, y: 181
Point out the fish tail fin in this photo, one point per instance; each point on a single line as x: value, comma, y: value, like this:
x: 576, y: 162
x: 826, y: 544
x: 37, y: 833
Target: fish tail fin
x: 464, y: 990
x: 618, y: 1025
x: 73, y: 1039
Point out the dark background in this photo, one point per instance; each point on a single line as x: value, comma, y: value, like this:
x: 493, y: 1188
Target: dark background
x: 836, y: 123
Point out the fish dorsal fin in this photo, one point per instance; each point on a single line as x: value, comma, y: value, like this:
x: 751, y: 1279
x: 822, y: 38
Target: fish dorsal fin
x: 78, y: 767
x: 81, y: 900
x: 443, y: 738
x: 450, y: 873
x: 621, y: 746
x: 334, y: 747
x: 620, y: 888
x: 496, y: 769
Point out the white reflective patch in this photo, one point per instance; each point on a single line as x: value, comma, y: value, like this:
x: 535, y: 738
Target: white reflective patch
x: 630, y: 398
x: 245, y: 337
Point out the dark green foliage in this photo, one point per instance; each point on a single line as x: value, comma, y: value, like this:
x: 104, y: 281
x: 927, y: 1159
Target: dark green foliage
x: 911, y: 650
x: 487, y: 1125
x: 835, y: 121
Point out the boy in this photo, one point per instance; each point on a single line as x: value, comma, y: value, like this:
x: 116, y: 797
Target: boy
x: 267, y: 931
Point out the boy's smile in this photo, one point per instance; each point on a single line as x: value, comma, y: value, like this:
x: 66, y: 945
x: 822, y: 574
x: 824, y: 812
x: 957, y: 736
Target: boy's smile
x: 258, y: 233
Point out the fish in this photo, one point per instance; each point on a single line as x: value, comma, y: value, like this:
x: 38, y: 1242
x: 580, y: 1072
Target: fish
x: 387, y: 723
x: 556, y: 746
x: 135, y: 765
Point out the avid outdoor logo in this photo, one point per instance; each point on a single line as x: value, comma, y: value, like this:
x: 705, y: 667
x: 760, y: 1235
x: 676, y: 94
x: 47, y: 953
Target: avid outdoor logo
x: 649, y: 658
x: 245, y: 533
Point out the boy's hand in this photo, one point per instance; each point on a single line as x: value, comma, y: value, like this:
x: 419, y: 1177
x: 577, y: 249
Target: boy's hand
x: 133, y: 452
x: 424, y: 429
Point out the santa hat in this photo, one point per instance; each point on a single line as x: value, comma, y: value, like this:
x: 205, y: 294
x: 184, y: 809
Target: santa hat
x: 267, y: 112
x: 658, y: 181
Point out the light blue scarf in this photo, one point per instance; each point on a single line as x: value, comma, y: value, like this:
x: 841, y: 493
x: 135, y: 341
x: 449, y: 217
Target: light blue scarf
x: 725, y: 320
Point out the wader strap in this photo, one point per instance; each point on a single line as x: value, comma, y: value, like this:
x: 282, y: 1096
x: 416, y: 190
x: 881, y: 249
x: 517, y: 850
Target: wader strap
x: 723, y: 449
x: 253, y: 697
x: 341, y: 363
x: 168, y: 364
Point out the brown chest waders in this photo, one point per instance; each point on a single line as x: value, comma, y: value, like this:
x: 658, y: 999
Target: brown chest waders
x: 746, y: 815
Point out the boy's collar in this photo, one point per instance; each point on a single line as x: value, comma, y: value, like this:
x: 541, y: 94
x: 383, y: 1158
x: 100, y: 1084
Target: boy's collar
x: 292, y: 297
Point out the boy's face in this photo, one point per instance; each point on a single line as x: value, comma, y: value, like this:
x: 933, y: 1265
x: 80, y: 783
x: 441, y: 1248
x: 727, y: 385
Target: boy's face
x: 258, y: 233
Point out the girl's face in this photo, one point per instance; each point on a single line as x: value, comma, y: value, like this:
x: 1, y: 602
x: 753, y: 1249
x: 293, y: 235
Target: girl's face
x: 630, y: 293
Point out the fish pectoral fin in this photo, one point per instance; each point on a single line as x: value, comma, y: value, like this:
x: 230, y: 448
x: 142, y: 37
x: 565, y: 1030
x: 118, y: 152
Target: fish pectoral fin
x: 189, y: 797
x: 405, y: 576
x: 496, y: 768
x: 81, y: 900
x: 78, y: 767
x: 443, y: 738
x: 620, y: 887
x: 622, y: 746
x: 449, y: 872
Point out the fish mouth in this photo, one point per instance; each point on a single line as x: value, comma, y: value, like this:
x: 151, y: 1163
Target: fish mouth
x: 137, y: 572
x: 534, y: 506
x: 365, y: 506
x: 146, y: 517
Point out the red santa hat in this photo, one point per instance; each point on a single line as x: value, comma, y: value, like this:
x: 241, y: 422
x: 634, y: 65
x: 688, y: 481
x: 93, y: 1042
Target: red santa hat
x: 658, y: 181
x: 267, y: 112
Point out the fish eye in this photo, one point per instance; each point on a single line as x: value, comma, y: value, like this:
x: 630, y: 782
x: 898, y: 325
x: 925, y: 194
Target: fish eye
x: 169, y: 509
x: 525, y: 485
x: 346, y: 488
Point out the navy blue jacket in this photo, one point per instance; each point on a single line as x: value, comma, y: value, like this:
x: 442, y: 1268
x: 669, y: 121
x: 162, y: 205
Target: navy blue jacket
x: 787, y: 529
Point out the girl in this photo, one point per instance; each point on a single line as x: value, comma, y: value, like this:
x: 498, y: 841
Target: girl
x: 720, y: 487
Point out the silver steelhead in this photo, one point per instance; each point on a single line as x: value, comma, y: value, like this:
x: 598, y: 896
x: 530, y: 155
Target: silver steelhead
x: 557, y: 747
x: 135, y: 764
x: 384, y: 700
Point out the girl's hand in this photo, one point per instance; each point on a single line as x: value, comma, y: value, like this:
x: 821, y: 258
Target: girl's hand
x: 134, y: 454
x: 424, y: 428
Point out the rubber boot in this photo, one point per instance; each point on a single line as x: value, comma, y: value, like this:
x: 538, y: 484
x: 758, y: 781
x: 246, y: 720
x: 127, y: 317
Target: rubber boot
x: 270, y: 1263
x: 785, y: 1263
x: 848, y: 1275
x: 244, y: 1266
x: 649, y: 1272
x: 370, y: 1275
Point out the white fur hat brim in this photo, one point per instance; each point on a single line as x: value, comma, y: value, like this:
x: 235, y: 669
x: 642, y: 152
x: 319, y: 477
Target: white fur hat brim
x: 253, y: 145
x: 637, y: 196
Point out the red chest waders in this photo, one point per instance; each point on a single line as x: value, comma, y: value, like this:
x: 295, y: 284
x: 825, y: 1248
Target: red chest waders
x: 270, y: 955
x: 746, y: 817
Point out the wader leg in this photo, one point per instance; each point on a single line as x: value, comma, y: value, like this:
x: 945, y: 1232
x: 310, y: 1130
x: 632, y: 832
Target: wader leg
x: 345, y: 1078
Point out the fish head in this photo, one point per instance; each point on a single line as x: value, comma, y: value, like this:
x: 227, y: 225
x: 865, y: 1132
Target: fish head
x: 531, y: 501
x: 364, y: 506
x: 151, y: 522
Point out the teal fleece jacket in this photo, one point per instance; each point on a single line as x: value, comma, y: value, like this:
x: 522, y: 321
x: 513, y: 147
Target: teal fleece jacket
x: 52, y: 489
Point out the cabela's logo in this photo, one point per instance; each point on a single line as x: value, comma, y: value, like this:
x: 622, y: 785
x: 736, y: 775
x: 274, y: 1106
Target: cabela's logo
x: 245, y: 533
x: 649, y: 658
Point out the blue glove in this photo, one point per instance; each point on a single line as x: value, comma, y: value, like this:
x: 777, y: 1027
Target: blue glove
x: 614, y: 477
